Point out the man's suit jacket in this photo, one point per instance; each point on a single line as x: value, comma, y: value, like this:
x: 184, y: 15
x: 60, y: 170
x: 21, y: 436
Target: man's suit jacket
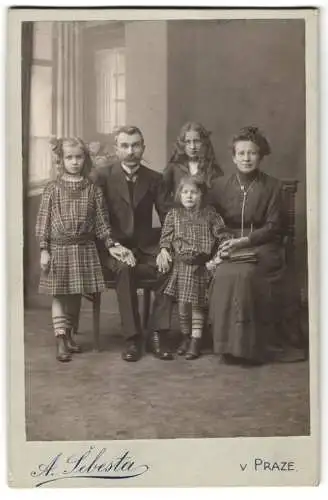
x: 131, y: 221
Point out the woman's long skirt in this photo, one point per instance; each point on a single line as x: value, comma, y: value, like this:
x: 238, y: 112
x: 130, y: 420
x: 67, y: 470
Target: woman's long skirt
x: 244, y: 303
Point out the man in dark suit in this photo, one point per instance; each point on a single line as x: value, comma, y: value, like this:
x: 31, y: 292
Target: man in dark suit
x: 131, y: 191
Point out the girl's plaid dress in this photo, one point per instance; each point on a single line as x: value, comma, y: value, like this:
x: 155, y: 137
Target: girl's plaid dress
x: 72, y: 215
x: 191, y: 236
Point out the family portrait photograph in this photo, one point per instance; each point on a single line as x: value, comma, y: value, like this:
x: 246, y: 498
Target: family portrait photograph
x: 163, y: 257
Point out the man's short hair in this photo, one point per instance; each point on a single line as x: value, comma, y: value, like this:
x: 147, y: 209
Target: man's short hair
x: 129, y: 130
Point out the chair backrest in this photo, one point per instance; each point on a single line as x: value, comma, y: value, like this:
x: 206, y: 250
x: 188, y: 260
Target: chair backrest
x: 289, y: 190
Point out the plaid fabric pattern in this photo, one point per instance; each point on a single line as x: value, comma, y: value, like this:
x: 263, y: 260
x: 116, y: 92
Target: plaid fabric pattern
x: 188, y: 283
x: 69, y: 210
x: 190, y: 233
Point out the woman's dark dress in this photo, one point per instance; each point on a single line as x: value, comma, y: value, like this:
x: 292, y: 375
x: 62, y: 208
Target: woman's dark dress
x: 245, y: 296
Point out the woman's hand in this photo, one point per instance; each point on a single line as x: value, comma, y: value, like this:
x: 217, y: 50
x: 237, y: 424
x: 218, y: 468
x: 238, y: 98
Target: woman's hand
x: 45, y: 260
x: 163, y: 261
x: 123, y: 254
x: 228, y: 246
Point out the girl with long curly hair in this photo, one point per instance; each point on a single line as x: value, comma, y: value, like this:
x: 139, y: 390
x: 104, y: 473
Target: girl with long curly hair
x: 193, y: 155
x: 72, y: 215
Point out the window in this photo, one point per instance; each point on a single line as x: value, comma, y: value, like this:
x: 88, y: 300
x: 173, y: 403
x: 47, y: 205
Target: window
x: 40, y: 124
x: 40, y: 106
x: 110, y: 89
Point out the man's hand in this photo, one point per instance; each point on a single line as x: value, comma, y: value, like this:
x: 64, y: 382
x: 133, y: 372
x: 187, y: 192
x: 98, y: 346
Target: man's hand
x: 123, y: 254
x: 163, y: 261
x: 45, y: 260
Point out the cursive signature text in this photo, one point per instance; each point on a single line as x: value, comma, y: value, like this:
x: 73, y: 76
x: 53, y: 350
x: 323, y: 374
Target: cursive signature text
x: 93, y: 463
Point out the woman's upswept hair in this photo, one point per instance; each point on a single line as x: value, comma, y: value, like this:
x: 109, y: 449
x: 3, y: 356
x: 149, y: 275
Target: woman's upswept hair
x: 209, y: 166
x: 57, y: 150
x: 254, y: 135
x: 192, y: 180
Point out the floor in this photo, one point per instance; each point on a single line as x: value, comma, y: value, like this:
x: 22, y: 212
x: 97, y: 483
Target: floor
x: 99, y: 396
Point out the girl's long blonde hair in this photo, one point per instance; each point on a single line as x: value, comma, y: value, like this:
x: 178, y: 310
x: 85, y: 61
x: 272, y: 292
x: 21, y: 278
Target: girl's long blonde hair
x: 191, y: 180
x: 57, y: 150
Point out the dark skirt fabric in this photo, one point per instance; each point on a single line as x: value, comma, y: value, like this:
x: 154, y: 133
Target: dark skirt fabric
x: 244, y: 303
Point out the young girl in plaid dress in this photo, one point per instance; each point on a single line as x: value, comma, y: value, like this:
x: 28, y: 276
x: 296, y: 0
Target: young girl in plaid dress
x: 71, y: 216
x: 190, y: 236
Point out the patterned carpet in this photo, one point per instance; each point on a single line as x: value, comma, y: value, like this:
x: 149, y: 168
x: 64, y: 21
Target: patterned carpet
x: 99, y: 396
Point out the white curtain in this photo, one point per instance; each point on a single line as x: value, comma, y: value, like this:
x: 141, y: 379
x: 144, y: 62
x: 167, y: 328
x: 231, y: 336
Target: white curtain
x: 110, y: 89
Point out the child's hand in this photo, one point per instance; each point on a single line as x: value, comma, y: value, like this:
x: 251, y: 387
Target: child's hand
x: 163, y: 261
x: 45, y: 260
x: 211, y: 265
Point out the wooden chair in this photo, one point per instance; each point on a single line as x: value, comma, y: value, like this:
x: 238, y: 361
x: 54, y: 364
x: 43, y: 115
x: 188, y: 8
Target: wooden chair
x: 145, y: 285
x: 289, y: 190
x: 291, y: 324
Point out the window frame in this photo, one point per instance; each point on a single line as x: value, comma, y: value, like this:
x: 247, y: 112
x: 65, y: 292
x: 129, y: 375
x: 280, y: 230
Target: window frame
x: 104, y: 36
x: 35, y: 187
x: 114, y: 99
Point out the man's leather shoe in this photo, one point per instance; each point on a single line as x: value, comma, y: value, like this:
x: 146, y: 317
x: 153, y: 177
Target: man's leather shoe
x: 132, y: 351
x: 157, y: 348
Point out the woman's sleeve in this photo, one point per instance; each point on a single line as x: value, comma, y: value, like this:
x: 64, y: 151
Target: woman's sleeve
x: 219, y: 229
x: 167, y: 231
x: 272, y: 226
x: 102, y: 225
x: 43, y: 220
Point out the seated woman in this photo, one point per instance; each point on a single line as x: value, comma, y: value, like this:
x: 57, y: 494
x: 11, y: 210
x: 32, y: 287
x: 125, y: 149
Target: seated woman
x: 245, y: 287
x: 193, y: 155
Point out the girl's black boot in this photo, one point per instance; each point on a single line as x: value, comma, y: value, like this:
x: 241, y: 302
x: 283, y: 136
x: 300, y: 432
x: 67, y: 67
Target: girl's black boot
x: 183, y: 347
x: 72, y: 346
x: 63, y: 353
x: 193, y: 349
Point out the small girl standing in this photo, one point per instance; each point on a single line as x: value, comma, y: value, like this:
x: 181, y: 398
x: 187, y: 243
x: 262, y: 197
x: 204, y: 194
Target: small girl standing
x: 193, y: 155
x: 71, y: 216
x: 190, y: 236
